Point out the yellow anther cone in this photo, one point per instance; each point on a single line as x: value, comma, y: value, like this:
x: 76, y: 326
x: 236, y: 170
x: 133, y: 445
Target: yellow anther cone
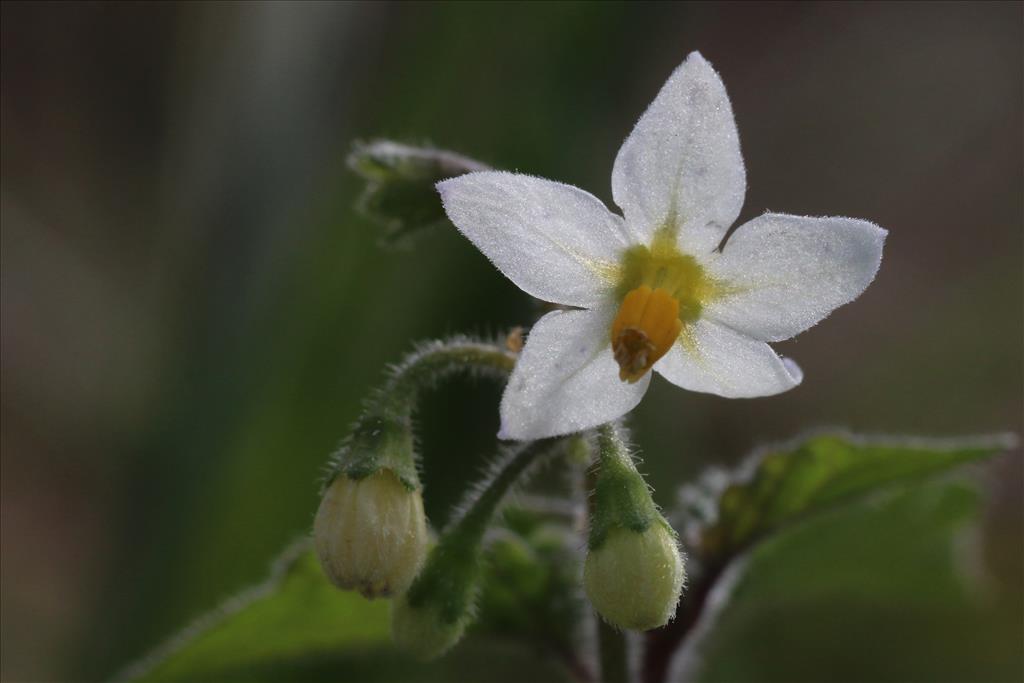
x: 644, y: 329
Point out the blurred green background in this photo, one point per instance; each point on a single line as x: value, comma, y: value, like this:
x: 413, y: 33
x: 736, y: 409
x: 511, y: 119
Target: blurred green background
x: 192, y: 311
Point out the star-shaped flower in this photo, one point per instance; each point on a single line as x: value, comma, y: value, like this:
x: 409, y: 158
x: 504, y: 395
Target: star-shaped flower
x: 652, y: 290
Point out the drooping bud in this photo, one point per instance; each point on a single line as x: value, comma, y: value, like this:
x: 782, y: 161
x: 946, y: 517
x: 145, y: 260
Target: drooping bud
x: 400, y: 183
x: 634, y: 578
x: 432, y: 616
x: 634, y: 571
x: 371, y: 534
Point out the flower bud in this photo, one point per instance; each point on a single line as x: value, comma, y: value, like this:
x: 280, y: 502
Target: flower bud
x: 633, y: 574
x: 634, y: 578
x: 431, y: 617
x: 371, y: 534
x: 423, y: 631
x: 400, y: 181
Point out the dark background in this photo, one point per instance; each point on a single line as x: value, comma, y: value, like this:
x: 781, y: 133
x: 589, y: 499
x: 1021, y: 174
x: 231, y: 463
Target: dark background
x: 192, y: 310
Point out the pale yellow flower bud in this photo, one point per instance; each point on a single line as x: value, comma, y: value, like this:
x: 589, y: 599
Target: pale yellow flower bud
x: 634, y: 578
x: 371, y: 534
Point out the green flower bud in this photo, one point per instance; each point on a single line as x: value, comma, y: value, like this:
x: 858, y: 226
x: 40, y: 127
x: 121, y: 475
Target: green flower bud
x: 634, y: 578
x: 432, y: 616
x: 400, y: 181
x: 633, y: 574
x: 371, y: 534
x: 423, y: 631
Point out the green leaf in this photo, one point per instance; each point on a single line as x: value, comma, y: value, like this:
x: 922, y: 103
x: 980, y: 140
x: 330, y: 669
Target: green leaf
x: 296, y: 626
x: 727, y: 516
x: 296, y: 612
x: 878, y: 590
x: 786, y: 483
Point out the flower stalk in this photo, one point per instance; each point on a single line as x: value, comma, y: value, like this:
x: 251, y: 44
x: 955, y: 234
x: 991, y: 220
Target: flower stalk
x: 370, y: 531
x: 432, y: 616
x: 382, y: 436
x: 614, y: 653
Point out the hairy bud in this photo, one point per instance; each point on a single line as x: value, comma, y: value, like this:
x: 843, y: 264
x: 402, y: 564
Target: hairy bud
x: 634, y: 579
x: 634, y: 571
x: 371, y: 534
x: 400, y: 183
x: 424, y: 631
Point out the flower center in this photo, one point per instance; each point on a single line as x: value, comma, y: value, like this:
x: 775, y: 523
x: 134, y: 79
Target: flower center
x: 644, y: 330
x: 662, y: 291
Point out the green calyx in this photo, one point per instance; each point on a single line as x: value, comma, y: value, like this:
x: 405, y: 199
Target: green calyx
x: 621, y: 497
x: 377, y: 443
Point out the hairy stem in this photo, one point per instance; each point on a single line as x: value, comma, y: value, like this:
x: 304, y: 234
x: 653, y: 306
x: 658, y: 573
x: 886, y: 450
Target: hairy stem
x: 382, y: 436
x: 614, y: 655
x: 612, y: 646
x: 508, y: 471
x: 450, y: 580
x: 433, y: 362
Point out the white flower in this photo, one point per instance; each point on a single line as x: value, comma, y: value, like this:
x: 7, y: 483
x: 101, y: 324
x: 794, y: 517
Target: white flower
x: 655, y: 290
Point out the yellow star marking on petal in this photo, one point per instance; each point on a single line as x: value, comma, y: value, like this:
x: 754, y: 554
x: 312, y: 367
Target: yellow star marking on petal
x: 663, y: 291
x: 644, y: 330
x: 661, y: 264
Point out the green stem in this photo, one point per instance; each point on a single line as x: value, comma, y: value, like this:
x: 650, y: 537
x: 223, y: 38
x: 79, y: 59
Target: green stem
x: 433, y: 362
x: 614, y: 659
x: 473, y: 524
x: 450, y: 578
x: 620, y: 496
x: 383, y: 434
x: 613, y: 457
x: 611, y: 448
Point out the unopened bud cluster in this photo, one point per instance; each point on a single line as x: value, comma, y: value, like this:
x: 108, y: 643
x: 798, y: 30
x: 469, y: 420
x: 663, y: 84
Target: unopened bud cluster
x: 370, y: 532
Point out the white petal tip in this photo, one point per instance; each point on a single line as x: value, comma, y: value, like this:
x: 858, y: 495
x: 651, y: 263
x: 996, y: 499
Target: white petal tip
x: 795, y: 373
x: 443, y: 186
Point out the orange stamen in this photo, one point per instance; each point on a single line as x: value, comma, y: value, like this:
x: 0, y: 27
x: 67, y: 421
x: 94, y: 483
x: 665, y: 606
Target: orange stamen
x: 644, y: 330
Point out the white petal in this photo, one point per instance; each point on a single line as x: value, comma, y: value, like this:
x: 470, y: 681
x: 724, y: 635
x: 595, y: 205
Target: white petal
x: 719, y: 360
x: 792, y: 272
x: 682, y: 162
x: 566, y: 379
x: 554, y: 241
